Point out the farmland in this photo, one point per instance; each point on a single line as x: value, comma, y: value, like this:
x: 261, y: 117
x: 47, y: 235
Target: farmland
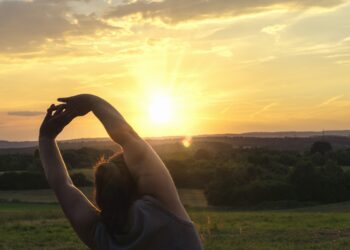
x: 43, y: 226
x: 255, y: 198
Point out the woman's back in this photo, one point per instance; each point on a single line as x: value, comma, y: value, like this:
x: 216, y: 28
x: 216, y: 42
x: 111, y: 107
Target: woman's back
x: 151, y: 227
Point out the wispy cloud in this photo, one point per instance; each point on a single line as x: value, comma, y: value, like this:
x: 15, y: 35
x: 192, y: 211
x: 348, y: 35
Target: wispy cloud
x: 264, y: 109
x: 175, y: 11
x: 227, y: 108
x: 25, y: 113
x: 273, y: 29
x: 222, y: 51
x: 331, y: 100
x: 26, y: 25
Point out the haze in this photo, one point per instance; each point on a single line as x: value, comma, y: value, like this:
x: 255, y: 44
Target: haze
x: 177, y: 67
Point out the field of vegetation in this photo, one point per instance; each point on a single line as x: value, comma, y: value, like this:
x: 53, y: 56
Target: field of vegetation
x: 43, y: 226
x: 189, y: 197
x: 239, y: 198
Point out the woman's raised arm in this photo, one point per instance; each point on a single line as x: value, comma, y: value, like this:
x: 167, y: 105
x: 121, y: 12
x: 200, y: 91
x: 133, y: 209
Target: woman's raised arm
x: 153, y: 178
x: 78, y: 209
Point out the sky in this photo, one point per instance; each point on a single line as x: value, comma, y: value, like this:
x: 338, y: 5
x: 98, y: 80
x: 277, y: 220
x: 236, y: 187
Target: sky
x: 177, y: 67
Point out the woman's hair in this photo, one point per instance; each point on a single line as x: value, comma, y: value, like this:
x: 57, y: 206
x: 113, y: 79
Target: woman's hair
x: 115, y: 191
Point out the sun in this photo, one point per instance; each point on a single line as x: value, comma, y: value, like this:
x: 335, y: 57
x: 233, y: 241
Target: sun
x: 161, y: 108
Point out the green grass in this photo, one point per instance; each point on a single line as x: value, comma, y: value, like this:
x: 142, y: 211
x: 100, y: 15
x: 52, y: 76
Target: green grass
x: 273, y: 230
x: 88, y: 172
x: 189, y: 197
x: 346, y: 168
x: 43, y: 226
x: 35, y: 226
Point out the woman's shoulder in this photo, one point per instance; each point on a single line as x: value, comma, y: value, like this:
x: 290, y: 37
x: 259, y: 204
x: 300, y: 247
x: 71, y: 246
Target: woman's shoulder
x: 153, y: 206
x: 149, y: 217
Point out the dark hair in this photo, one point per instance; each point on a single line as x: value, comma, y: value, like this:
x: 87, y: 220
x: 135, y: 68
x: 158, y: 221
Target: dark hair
x: 115, y: 190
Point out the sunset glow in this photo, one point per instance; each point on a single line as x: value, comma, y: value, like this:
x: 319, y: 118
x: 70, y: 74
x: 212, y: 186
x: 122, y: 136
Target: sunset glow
x: 221, y: 67
x: 187, y: 141
x: 161, y: 109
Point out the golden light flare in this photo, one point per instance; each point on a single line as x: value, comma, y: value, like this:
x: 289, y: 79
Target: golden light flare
x: 161, y: 108
x: 187, y: 142
x: 166, y: 93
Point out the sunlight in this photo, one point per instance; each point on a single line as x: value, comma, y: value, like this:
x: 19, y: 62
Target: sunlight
x: 161, y: 108
x: 168, y: 92
x: 187, y: 142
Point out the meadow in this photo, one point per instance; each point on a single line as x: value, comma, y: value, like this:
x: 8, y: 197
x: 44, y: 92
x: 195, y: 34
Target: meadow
x: 290, y: 181
x: 43, y: 226
x: 189, y: 197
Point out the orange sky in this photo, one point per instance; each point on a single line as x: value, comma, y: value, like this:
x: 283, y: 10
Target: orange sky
x: 177, y: 67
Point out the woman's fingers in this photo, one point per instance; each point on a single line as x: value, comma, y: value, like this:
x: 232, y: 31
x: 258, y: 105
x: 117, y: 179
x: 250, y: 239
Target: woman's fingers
x: 51, y: 108
x: 49, y: 112
x: 65, y: 117
x: 64, y: 99
x: 59, y: 109
x: 61, y: 113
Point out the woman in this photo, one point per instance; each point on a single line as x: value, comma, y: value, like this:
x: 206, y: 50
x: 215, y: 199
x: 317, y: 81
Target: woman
x: 138, y: 206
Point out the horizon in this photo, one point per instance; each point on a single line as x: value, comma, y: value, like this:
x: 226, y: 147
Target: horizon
x: 262, y: 134
x: 219, y: 67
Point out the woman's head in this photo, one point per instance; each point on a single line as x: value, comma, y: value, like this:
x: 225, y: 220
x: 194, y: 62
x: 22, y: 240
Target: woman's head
x: 114, y: 192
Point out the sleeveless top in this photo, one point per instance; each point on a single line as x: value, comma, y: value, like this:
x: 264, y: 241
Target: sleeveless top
x: 153, y: 227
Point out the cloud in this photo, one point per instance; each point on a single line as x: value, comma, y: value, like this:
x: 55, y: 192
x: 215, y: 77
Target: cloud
x: 222, y: 51
x: 331, y: 100
x: 25, y: 25
x: 175, y: 11
x: 273, y: 29
x: 25, y: 113
x: 334, y: 24
x: 265, y: 108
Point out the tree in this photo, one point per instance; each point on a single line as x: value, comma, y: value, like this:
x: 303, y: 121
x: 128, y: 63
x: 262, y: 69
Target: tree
x: 321, y: 147
x: 305, y: 181
x: 202, y: 154
x: 80, y: 180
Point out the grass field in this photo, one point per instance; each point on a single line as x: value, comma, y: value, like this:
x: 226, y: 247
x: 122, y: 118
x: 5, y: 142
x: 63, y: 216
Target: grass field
x: 43, y: 226
x: 189, y: 197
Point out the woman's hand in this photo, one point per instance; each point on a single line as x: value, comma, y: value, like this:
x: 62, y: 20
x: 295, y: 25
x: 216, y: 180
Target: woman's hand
x: 56, y: 119
x: 81, y: 104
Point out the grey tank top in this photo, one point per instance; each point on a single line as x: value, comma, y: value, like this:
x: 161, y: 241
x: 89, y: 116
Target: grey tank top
x: 153, y: 228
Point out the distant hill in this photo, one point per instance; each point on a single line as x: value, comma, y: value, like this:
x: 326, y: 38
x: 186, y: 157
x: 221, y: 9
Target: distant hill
x: 289, y: 134
x: 19, y: 144
x: 301, y: 134
x: 271, y: 140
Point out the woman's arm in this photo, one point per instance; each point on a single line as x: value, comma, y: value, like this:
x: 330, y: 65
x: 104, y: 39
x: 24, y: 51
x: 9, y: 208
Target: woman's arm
x: 145, y: 165
x: 77, y: 208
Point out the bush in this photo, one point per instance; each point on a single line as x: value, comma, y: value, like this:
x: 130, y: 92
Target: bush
x: 80, y: 180
x: 321, y: 147
x: 28, y: 180
x: 17, y: 181
x: 229, y: 193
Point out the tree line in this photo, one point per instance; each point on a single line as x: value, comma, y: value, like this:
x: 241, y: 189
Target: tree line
x: 230, y: 176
